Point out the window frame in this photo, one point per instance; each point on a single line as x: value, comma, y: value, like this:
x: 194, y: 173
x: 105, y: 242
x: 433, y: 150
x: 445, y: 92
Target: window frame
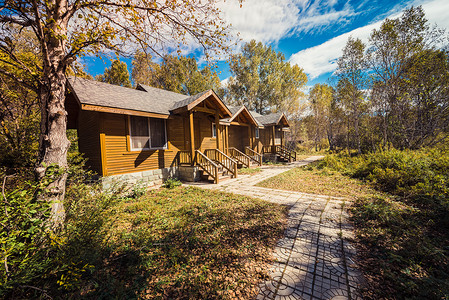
x: 214, y: 133
x: 257, y: 133
x: 165, y: 147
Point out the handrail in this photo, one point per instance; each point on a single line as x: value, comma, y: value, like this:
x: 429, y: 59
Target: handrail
x: 239, y: 156
x: 222, y: 159
x: 207, y: 165
x: 291, y: 153
x: 282, y: 151
x: 184, y: 157
x: 251, y: 153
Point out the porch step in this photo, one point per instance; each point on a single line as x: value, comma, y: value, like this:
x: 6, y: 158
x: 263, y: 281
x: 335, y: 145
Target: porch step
x: 210, y: 179
x: 222, y: 175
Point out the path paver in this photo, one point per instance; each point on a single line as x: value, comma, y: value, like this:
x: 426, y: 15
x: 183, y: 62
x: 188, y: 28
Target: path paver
x: 313, y: 260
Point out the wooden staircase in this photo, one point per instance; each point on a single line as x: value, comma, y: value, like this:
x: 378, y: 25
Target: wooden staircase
x: 256, y: 158
x: 240, y: 157
x: 215, y: 165
x: 281, y: 152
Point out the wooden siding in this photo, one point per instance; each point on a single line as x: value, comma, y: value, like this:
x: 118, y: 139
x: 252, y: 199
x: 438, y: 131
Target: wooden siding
x: 203, y: 131
x: 89, y: 139
x: 119, y: 160
x: 238, y: 137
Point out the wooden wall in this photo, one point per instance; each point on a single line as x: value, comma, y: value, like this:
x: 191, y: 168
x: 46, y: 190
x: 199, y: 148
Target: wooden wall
x: 117, y: 158
x: 202, y: 125
x: 89, y: 138
x: 238, y: 137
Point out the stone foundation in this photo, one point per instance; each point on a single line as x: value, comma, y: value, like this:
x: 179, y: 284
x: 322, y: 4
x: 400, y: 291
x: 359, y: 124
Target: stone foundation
x: 189, y: 173
x: 148, y: 177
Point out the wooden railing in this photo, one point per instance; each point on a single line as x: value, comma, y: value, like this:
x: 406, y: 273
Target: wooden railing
x: 285, y: 153
x: 207, y: 165
x: 282, y: 151
x: 184, y: 157
x: 291, y: 153
x: 222, y: 159
x: 268, y: 149
x: 239, y: 156
x: 253, y: 155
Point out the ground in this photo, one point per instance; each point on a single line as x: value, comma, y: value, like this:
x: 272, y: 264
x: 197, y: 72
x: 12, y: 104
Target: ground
x: 314, y: 259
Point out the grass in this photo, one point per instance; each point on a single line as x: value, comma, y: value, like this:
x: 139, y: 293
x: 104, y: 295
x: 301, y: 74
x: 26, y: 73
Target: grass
x: 314, y: 181
x: 187, y: 243
x: 249, y: 171
x: 402, y: 241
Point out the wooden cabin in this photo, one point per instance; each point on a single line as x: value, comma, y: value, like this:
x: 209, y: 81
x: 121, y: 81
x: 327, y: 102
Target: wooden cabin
x: 148, y: 134
x: 271, y: 141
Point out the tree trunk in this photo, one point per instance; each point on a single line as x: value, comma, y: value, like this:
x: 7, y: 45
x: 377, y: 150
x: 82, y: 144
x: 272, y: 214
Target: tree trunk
x: 357, y: 134
x: 53, y: 142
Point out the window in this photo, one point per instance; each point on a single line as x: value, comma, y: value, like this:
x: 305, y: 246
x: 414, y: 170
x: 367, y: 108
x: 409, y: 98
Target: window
x: 147, y: 133
x: 277, y: 133
x: 214, y: 130
x: 257, y: 132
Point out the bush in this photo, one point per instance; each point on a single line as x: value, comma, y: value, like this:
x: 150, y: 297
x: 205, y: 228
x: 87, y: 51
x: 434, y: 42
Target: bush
x: 403, y: 233
x: 421, y: 176
x: 171, y: 183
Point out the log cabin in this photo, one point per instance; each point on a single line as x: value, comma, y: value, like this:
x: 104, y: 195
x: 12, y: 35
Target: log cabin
x: 148, y: 134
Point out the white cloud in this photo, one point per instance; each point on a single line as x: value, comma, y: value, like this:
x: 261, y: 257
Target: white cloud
x: 322, y: 59
x: 268, y: 21
x: 224, y: 82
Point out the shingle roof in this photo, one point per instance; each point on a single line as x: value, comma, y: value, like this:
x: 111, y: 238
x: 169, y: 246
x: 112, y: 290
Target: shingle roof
x: 234, y: 109
x: 269, y: 119
x: 188, y: 100
x: 145, y: 98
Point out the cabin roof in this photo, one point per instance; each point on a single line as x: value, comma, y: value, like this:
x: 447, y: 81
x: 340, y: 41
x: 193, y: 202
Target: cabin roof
x: 143, y: 99
x: 272, y: 119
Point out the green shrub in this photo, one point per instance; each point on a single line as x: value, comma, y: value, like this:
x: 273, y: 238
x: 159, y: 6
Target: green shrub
x: 421, y: 176
x: 403, y: 233
x: 23, y: 238
x: 171, y: 183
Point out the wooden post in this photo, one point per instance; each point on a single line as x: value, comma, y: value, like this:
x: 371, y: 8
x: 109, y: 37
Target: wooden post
x: 250, y: 136
x: 216, y: 179
x: 217, y: 128
x: 104, y: 167
x: 192, y: 137
x: 273, y: 148
x: 282, y: 137
x: 227, y: 139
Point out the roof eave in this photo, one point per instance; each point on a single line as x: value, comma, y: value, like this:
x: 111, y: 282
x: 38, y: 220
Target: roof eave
x: 200, y: 99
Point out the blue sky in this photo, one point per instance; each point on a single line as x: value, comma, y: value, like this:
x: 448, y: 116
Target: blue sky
x: 309, y: 33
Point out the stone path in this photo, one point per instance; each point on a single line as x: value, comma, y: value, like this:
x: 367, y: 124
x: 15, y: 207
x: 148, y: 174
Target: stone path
x: 313, y: 260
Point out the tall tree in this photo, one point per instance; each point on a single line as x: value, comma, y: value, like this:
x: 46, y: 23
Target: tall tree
x: 424, y: 92
x: 352, y: 75
x: 320, y: 98
x: 117, y: 74
x: 19, y: 105
x: 67, y: 29
x: 177, y: 74
x: 391, y: 49
x: 262, y: 79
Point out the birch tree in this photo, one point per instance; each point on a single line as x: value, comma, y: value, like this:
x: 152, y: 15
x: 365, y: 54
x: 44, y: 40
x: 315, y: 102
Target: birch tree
x: 352, y: 75
x: 67, y: 29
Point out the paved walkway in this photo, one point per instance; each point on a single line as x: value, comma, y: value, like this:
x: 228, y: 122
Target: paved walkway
x: 314, y: 260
